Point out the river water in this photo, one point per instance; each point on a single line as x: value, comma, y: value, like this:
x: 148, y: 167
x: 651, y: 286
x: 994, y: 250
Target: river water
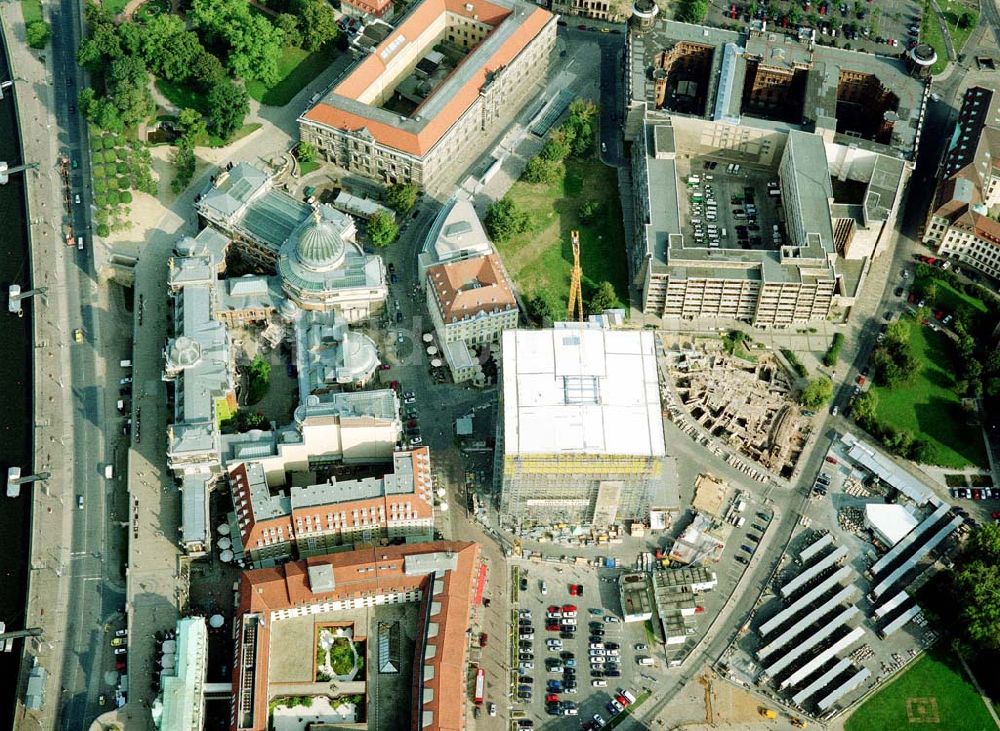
x: 15, y: 392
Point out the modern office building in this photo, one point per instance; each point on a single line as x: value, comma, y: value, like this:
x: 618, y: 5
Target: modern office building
x: 180, y: 705
x: 434, y: 91
x: 959, y: 222
x: 835, y: 132
x: 455, y: 234
x: 445, y: 578
x: 580, y: 434
x: 313, y: 250
x: 274, y: 523
x: 470, y: 301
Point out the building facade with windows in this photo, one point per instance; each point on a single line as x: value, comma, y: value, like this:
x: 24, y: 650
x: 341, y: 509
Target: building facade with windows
x: 471, y: 302
x: 273, y: 524
x: 837, y: 130
x: 400, y: 116
x: 444, y: 577
x: 959, y: 223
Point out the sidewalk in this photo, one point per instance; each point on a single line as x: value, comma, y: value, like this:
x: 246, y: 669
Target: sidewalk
x: 52, y: 506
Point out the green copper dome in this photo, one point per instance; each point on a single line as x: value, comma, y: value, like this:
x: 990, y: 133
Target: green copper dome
x: 320, y: 247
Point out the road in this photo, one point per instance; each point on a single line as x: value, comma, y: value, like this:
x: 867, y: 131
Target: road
x: 95, y: 589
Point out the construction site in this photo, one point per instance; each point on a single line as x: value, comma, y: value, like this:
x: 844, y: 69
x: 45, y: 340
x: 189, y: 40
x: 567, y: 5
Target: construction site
x: 746, y: 404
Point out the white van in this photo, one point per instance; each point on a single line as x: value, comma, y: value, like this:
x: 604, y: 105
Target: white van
x: 79, y: 243
x: 109, y: 471
x: 723, y: 233
x: 125, y: 363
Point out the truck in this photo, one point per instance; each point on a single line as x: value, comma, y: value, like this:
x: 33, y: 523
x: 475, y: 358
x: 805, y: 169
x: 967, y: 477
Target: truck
x: 767, y: 713
x: 109, y: 471
x: 480, y: 685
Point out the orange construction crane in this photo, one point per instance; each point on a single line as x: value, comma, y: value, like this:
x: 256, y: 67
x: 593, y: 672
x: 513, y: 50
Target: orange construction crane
x: 575, y: 292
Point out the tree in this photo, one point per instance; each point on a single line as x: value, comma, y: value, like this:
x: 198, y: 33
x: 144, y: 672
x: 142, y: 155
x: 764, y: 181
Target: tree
x: 128, y: 89
x: 318, y: 23
x: 254, y: 48
x: 254, y: 45
x: 555, y: 148
x: 865, y: 406
x: 590, y: 210
x: 38, y: 33
x: 193, y: 127
x: 504, y: 220
x: 258, y: 379
x: 604, y: 298
x: 289, y: 26
x: 169, y: 48
x: 966, y: 19
x: 541, y: 171
x: 306, y: 152
x: 817, y: 392
x: 401, y: 197
x: 228, y: 105
x: 184, y: 166
x: 537, y: 309
x: 207, y: 71
x: 382, y: 229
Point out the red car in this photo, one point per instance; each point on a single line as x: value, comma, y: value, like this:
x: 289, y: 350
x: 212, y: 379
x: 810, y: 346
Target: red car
x: 552, y: 627
x: 552, y: 609
x: 623, y: 700
x: 483, y: 639
x: 385, y: 366
x: 831, y: 460
x: 552, y: 698
x: 572, y: 589
x: 861, y: 380
x: 568, y: 608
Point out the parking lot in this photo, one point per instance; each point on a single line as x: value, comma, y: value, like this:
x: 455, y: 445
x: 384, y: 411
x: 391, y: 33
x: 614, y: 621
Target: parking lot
x: 566, y: 666
x: 888, y: 27
x: 731, y: 206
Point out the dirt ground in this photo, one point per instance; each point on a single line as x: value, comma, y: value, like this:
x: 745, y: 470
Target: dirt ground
x: 732, y: 708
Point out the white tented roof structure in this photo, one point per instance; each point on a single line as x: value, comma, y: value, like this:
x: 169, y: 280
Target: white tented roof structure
x: 581, y: 390
x: 890, y: 523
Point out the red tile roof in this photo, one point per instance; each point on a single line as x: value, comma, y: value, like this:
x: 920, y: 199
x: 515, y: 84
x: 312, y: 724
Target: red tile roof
x: 378, y: 8
x: 470, y: 286
x: 419, y: 143
x: 416, y: 505
x: 357, y: 574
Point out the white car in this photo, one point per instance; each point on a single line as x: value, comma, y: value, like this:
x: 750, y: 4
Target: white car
x: 409, y: 400
x: 612, y: 619
x: 597, y: 653
x: 570, y: 621
x: 596, y: 645
x: 526, y: 666
x: 492, y: 709
x: 599, y: 720
x: 570, y: 613
x: 599, y: 683
x: 553, y: 643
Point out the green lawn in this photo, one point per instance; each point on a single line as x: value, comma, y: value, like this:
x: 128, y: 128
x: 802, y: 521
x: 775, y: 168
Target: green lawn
x: 932, y: 694
x: 952, y: 11
x: 930, y: 33
x: 32, y: 10
x: 242, y: 132
x: 948, y: 298
x: 927, y: 406
x: 296, y: 68
x: 308, y: 167
x: 183, y: 97
x: 114, y: 6
x: 540, y: 260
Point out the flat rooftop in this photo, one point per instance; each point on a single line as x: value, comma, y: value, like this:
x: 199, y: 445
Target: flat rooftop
x: 824, y: 66
x: 581, y: 390
x: 514, y: 25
